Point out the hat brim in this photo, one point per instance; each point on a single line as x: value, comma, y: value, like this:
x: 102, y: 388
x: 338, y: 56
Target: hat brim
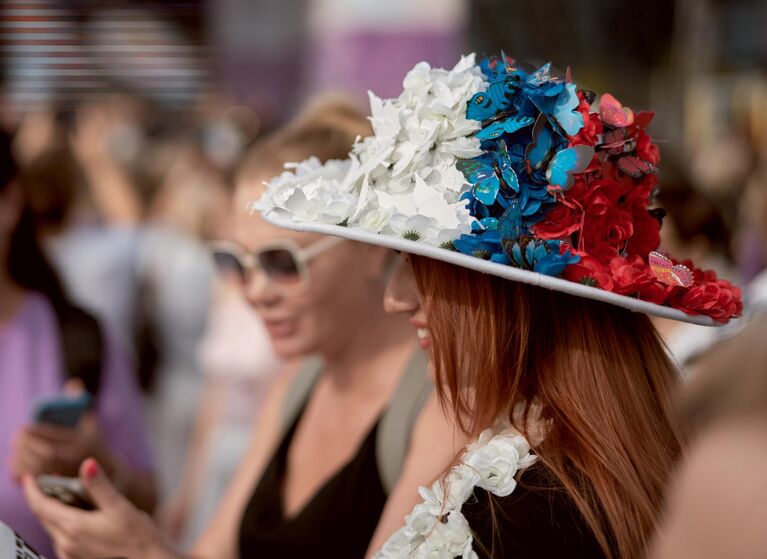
x: 487, y: 267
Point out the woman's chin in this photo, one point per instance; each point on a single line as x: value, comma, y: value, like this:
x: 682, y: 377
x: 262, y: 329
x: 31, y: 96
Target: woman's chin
x: 291, y: 347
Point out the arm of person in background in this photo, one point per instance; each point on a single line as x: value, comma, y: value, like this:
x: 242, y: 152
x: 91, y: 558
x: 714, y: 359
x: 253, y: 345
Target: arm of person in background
x: 174, y: 513
x: 433, y: 446
x: 113, y: 193
x: 117, y: 528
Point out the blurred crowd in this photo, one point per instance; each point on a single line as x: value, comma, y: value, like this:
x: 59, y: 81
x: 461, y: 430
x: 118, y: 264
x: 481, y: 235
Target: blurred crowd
x: 124, y: 204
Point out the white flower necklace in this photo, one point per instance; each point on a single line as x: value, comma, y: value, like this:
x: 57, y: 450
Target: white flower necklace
x: 436, y: 529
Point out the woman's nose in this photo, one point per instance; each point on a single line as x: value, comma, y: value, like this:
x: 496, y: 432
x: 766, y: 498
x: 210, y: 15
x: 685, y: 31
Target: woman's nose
x: 401, y: 295
x: 259, y: 291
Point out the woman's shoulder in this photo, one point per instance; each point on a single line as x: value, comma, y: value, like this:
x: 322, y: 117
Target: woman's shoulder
x: 538, y: 519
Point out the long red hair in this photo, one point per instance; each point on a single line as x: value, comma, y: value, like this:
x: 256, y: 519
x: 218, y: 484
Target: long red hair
x: 596, y: 376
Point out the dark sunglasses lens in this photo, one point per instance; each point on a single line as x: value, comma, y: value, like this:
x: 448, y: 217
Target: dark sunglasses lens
x: 280, y: 265
x: 228, y: 264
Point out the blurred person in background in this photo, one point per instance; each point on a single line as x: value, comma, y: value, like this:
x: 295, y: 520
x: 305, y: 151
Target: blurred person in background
x: 176, y: 281
x: 750, y: 240
x: 718, y: 503
x: 317, y: 478
x: 123, y: 206
x: 47, y: 343
x: 85, y: 212
x: 238, y: 365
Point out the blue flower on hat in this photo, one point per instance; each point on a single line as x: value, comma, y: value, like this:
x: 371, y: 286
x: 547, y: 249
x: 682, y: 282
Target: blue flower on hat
x: 544, y: 257
x: 485, y: 244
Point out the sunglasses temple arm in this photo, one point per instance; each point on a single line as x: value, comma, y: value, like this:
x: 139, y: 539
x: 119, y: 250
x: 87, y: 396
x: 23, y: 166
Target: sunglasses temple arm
x: 319, y: 247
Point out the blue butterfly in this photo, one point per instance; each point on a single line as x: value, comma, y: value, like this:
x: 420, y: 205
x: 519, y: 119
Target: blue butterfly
x: 561, y: 165
x: 505, y: 126
x: 561, y: 110
x: 488, y: 223
x: 488, y: 173
x: 487, y: 104
x: 496, y: 67
x: 511, y: 224
x: 565, y: 110
x: 542, y: 79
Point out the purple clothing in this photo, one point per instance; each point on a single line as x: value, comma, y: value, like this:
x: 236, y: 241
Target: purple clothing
x: 30, y: 369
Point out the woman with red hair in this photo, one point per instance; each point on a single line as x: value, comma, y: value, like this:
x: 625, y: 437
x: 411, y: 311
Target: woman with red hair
x: 530, y: 263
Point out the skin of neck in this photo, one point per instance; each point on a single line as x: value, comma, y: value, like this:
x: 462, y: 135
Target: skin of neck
x: 374, y: 337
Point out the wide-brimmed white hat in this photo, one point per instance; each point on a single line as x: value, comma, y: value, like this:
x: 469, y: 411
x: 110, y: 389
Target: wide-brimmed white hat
x: 509, y: 173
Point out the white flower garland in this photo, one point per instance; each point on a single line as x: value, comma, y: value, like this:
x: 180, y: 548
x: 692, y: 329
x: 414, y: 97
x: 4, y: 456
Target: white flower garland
x: 436, y: 529
x: 402, y: 180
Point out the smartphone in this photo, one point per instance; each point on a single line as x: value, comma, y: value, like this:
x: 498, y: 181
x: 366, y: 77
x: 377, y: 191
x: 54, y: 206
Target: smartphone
x: 63, y: 410
x: 68, y: 490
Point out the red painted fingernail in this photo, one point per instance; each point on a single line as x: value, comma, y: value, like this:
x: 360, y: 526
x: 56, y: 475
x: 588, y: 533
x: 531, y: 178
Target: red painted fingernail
x: 91, y: 468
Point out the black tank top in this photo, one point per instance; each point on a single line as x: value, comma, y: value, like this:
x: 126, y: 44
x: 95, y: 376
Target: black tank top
x: 338, y: 521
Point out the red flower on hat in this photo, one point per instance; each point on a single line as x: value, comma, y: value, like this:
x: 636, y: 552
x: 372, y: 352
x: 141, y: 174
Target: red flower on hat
x: 646, y: 150
x: 592, y: 125
x: 631, y: 275
x: 709, y: 295
x: 589, y: 271
x: 562, y: 221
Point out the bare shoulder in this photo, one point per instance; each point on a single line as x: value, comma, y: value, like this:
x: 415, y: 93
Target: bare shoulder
x: 435, y: 434
x: 434, y: 444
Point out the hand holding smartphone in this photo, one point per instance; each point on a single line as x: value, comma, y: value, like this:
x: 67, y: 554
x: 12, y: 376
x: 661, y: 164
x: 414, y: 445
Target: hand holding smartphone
x: 68, y: 490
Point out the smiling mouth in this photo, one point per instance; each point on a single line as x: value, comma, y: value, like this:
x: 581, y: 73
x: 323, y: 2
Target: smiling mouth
x: 424, y: 337
x: 280, y: 328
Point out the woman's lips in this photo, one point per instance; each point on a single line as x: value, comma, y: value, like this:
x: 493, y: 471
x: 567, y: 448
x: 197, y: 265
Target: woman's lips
x: 280, y: 328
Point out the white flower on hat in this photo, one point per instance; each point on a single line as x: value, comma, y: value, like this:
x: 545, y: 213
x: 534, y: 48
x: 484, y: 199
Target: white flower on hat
x: 403, y: 179
x: 320, y: 197
x: 425, y: 213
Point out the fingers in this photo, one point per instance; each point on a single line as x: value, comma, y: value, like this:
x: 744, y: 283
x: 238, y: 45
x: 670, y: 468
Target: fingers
x: 32, y: 455
x: 105, y: 496
x: 37, y: 454
x: 52, y: 433
x: 66, y: 550
x: 66, y: 525
x: 74, y: 387
x: 57, y: 517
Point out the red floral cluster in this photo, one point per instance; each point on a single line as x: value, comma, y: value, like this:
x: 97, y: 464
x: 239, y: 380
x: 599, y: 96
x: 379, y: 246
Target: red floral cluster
x: 606, y: 216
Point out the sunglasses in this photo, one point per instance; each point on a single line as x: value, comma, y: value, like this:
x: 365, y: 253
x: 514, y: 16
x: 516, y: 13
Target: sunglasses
x: 282, y: 262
